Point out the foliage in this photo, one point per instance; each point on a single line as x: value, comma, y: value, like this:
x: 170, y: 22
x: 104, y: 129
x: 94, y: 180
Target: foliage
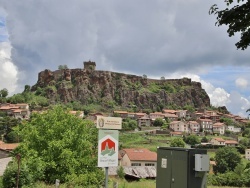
x: 120, y: 172
x: 158, y: 122
x: 153, y: 87
x: 144, y: 76
x: 226, y: 158
x: 61, y: 67
x: 226, y: 179
x: 189, y: 108
x: 7, y: 124
x: 227, y: 121
x: 237, y: 19
x: 4, y: 93
x: 246, y: 133
x: 192, y: 140
x: 9, y: 176
x: 129, y: 124
x: 177, y: 142
x: 204, y: 139
x: 34, y: 99
x: 169, y: 88
x: 58, y: 145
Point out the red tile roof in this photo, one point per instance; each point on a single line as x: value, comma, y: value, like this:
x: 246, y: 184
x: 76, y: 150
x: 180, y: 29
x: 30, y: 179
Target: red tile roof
x: 121, y: 112
x: 5, y: 146
x: 137, y: 154
x: 169, y: 111
x: 220, y: 139
x: 231, y: 142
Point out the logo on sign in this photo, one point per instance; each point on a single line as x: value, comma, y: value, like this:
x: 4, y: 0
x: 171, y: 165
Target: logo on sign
x: 100, y: 122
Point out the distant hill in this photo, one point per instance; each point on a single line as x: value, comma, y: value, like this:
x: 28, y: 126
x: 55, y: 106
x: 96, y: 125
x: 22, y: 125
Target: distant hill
x: 112, y: 89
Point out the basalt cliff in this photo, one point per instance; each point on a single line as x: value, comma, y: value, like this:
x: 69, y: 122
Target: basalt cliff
x: 108, y: 89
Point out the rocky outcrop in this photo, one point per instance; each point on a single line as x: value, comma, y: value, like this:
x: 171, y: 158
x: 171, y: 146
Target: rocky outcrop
x: 110, y: 88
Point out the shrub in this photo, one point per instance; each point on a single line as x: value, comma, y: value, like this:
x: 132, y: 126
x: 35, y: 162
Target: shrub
x: 10, y: 175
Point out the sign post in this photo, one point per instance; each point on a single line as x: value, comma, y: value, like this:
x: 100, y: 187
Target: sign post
x: 108, y: 142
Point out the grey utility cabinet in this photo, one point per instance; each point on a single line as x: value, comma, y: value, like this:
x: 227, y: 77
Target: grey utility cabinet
x: 181, y: 168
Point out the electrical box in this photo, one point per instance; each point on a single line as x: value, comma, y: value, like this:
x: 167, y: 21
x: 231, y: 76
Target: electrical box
x: 201, y: 162
x: 181, y: 168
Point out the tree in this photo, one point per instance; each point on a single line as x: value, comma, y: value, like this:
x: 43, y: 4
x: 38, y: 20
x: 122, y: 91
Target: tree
x: 59, y: 145
x: 226, y: 158
x: 227, y: 121
x: 192, y: 140
x: 61, y: 67
x: 158, y: 122
x: 177, y: 142
x: 129, y: 124
x: 4, y: 93
x: 237, y: 19
x: 246, y: 133
x: 204, y: 139
x: 27, y: 88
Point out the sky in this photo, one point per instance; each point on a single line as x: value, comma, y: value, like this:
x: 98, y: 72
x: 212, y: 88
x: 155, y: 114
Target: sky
x: 158, y: 38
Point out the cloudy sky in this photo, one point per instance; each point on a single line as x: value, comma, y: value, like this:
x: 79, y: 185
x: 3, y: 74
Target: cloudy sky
x: 158, y: 38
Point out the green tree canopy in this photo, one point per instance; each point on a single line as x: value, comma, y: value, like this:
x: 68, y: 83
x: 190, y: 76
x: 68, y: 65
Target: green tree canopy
x: 158, y: 122
x: 246, y: 133
x: 226, y: 158
x: 61, y: 67
x: 4, y: 93
x: 192, y: 140
x: 236, y: 17
x: 58, y: 145
x: 177, y: 142
x: 204, y: 139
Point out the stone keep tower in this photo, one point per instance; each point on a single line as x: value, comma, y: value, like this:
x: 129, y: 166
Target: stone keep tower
x: 89, y: 65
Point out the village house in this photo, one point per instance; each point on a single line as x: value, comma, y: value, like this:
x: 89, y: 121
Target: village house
x: 206, y: 125
x: 196, y: 115
x: 217, y: 141
x: 144, y: 122
x: 171, y: 117
x: 219, y: 128
x: 179, y: 126
x: 131, y: 115
x: 177, y: 134
x: 122, y: 114
x: 231, y: 143
x: 19, y: 111
x: 138, y: 157
x: 168, y: 111
x: 181, y: 113
x: 233, y: 129
x: 140, y: 115
x: 93, y: 116
x: 247, y: 154
x: 194, y: 126
x: 156, y: 115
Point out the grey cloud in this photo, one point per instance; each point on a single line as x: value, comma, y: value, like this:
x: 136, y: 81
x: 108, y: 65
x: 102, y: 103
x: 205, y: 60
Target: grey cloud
x: 142, y: 37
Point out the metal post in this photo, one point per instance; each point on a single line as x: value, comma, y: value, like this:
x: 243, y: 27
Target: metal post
x: 18, y: 156
x: 106, y: 177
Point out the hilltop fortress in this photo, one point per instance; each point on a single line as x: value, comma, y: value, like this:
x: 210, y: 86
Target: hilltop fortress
x: 89, y: 85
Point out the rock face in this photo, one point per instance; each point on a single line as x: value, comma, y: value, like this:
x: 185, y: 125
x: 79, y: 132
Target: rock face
x: 107, y: 88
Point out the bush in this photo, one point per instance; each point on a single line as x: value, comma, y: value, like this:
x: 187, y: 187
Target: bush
x: 120, y: 172
x: 10, y: 175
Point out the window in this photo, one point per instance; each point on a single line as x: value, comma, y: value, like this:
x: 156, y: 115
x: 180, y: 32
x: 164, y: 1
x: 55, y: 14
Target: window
x: 149, y: 164
x: 136, y: 164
